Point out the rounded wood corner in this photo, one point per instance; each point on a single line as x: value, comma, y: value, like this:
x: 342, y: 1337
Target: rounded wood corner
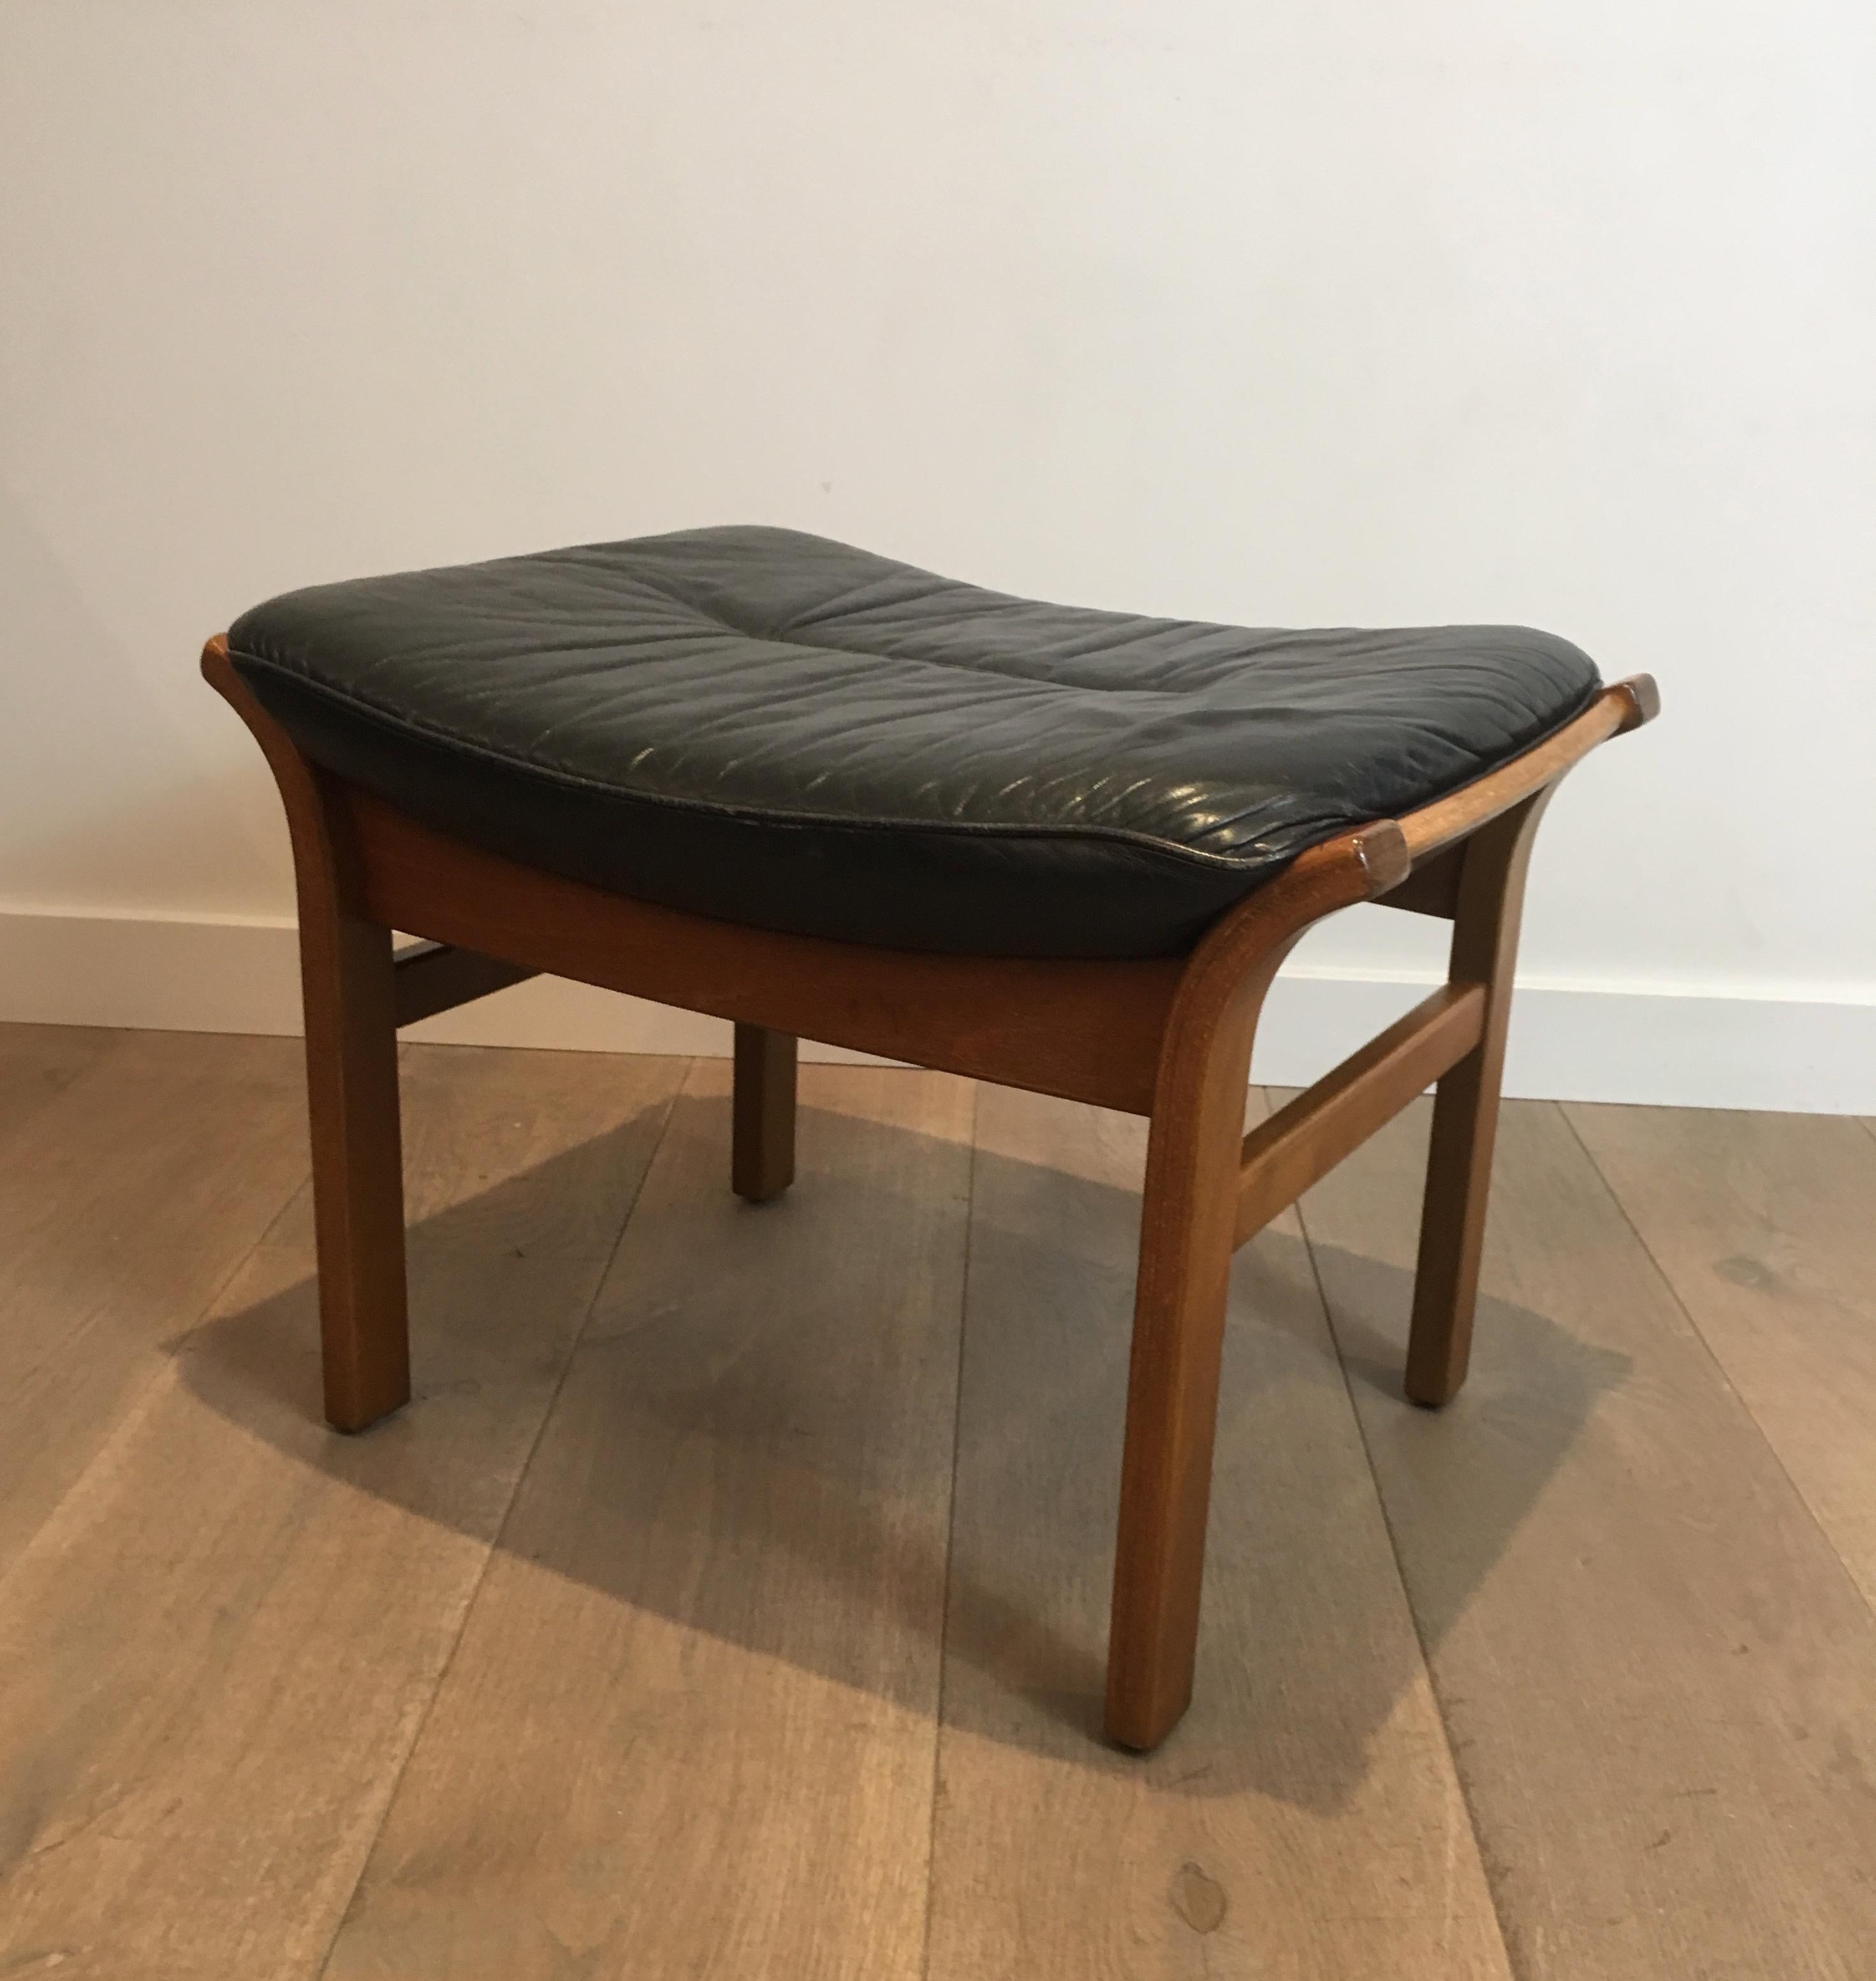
x: 1381, y: 851
x: 1641, y: 700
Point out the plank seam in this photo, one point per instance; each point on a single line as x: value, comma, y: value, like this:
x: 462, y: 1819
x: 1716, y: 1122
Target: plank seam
x: 1720, y: 1368
x: 169, y: 1352
x: 1505, y: 1941
x: 501, y: 1527
x: 950, y: 1532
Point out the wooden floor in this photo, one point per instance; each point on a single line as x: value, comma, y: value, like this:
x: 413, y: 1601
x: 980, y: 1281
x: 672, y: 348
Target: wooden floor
x: 730, y: 1603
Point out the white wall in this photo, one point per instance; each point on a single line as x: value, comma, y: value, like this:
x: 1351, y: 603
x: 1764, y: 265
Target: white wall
x: 1559, y: 312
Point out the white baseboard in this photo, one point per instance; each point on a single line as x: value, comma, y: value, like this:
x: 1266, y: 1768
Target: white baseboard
x: 1572, y: 1042
x: 1664, y: 1048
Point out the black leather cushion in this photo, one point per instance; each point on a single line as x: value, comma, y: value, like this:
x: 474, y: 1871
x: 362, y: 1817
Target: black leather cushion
x: 775, y: 729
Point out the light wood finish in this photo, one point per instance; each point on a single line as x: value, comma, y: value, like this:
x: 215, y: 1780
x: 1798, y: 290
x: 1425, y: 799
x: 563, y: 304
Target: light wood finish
x: 762, y: 1114
x: 1656, y: 1675
x: 1465, y: 1114
x: 1305, y: 1820
x: 215, y: 1656
x: 129, y: 1193
x: 1170, y: 1038
x: 717, y: 1606
x: 1765, y: 1227
x: 433, y: 977
x: 1302, y: 1142
x: 707, y: 1636
x: 38, y: 1063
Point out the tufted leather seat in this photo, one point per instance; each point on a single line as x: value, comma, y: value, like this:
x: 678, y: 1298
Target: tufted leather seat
x: 774, y: 729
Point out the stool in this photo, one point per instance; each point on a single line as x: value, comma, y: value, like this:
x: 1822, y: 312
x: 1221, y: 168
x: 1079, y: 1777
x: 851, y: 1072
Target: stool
x: 823, y: 794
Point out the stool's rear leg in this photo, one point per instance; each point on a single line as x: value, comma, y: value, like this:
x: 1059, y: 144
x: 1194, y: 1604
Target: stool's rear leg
x: 1465, y: 1113
x: 762, y: 1123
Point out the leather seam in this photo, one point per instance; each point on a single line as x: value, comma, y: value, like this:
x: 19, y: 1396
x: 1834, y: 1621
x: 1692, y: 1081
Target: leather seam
x: 1253, y: 866
x: 759, y: 815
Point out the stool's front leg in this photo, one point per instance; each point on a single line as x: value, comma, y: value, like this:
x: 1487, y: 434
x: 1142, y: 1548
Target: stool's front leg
x: 348, y: 992
x: 1188, y: 1215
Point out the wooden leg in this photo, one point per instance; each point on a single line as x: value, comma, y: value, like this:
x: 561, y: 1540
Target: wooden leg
x: 1465, y: 1112
x: 352, y: 1081
x: 762, y: 1127
x: 348, y: 991
x: 1186, y: 1241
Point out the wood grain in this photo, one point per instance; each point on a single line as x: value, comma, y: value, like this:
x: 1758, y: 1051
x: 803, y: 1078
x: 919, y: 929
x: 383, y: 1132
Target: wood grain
x: 214, y: 1656
x: 1765, y: 1227
x: 1432, y: 888
x: 1189, y: 1198
x: 350, y: 1002
x: 1626, y: 705
x: 38, y: 1063
x: 703, y: 1738
x: 1487, y: 918
x: 1308, y: 1136
x: 140, y: 1179
x: 1304, y: 1820
x: 1657, y: 1674
x: 689, y: 1730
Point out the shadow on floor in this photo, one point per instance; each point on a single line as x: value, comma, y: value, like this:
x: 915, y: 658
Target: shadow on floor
x: 764, y: 1470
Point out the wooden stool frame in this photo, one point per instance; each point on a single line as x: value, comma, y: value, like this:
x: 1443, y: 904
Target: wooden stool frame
x: 1168, y: 1038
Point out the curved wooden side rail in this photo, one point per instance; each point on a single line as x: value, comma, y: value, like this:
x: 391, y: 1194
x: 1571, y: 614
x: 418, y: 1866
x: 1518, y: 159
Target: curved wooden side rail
x: 1623, y: 706
x: 1170, y: 1038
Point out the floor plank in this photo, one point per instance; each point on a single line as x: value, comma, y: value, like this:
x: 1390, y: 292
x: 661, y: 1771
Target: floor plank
x: 1765, y: 1227
x: 1660, y: 1682
x: 38, y: 1063
x: 214, y: 1656
x: 147, y: 1172
x: 696, y: 1722
x: 690, y: 1729
x: 1305, y: 1820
